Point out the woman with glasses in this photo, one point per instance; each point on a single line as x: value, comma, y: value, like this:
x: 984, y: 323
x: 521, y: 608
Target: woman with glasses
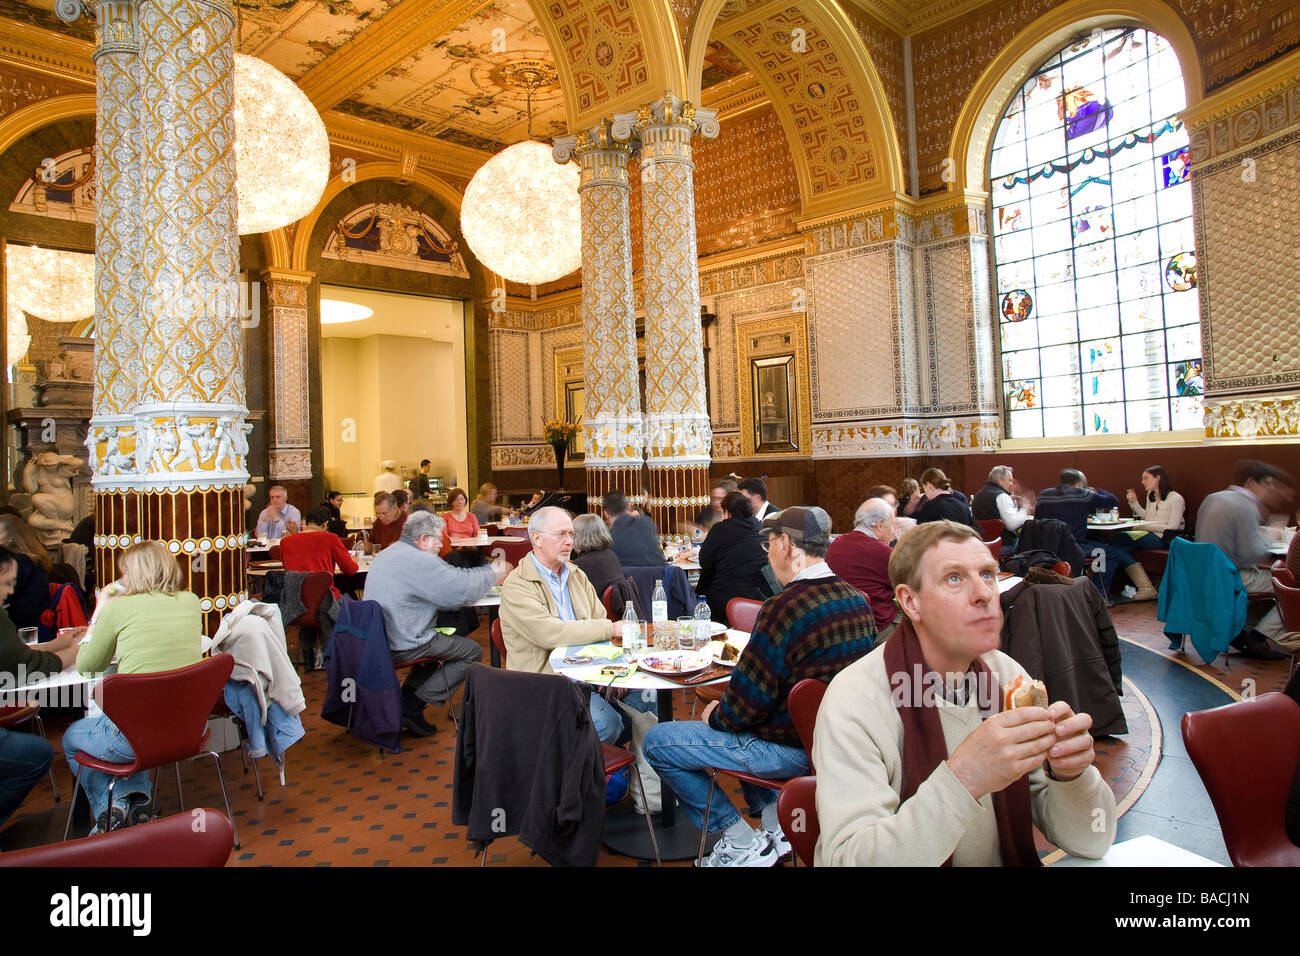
x: 733, y: 558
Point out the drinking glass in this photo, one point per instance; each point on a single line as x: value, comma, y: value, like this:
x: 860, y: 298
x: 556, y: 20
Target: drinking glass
x: 29, y: 635
x: 686, y: 638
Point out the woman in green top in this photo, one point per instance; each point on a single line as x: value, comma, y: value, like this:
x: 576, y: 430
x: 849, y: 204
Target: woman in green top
x: 149, y: 623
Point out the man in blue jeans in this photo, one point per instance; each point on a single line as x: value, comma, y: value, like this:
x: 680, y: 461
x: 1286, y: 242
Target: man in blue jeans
x: 24, y: 759
x: 814, y: 628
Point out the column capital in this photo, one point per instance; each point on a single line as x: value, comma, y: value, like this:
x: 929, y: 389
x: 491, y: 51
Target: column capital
x: 673, y: 112
x: 599, y: 138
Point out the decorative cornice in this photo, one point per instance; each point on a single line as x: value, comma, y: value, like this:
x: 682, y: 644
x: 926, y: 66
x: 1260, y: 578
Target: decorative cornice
x: 388, y: 142
x: 1253, y: 89
x: 773, y: 249
x: 44, y: 51
x: 735, y: 97
x: 381, y: 46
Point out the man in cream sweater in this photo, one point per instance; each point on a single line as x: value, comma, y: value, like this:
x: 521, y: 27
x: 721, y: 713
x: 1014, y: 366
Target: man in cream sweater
x: 917, y: 762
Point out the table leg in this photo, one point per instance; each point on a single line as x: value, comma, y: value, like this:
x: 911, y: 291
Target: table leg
x: 493, y: 654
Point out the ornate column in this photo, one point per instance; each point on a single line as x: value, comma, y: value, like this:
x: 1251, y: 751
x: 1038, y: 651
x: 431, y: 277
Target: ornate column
x: 612, y: 422
x: 678, y: 433
x: 191, y: 437
x: 118, y: 281
x: 290, y: 451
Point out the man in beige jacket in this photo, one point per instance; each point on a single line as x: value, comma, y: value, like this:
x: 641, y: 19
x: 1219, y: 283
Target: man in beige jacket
x: 918, y: 763
x: 546, y: 603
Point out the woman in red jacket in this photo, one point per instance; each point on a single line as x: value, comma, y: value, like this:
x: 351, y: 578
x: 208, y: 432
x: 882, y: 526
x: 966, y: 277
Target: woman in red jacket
x: 315, y: 549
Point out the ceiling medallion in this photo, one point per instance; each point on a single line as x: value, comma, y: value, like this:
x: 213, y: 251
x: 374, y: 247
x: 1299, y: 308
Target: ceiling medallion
x: 526, y: 75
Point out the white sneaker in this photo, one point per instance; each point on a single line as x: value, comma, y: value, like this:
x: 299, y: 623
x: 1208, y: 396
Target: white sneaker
x: 758, y: 853
x: 779, y: 843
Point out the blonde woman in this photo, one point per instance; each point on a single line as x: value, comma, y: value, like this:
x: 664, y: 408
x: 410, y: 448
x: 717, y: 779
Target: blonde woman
x: 485, y: 506
x: 31, y: 591
x: 150, y: 623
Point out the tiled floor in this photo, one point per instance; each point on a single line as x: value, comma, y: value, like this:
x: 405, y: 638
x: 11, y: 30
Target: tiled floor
x: 344, y: 803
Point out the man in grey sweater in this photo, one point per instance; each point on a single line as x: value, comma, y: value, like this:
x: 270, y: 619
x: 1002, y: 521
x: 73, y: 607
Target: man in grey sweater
x: 1231, y: 519
x: 412, y: 584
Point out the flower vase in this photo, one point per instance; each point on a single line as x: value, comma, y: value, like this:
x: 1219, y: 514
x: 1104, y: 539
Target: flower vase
x: 560, y: 448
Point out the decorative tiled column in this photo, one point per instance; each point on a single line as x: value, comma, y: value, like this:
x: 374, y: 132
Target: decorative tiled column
x: 612, y: 423
x: 191, y: 435
x: 678, y: 432
x: 286, y: 297
x: 118, y: 281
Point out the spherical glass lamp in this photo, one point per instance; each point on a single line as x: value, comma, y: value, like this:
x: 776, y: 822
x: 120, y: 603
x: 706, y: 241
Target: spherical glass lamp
x: 522, y: 216
x: 282, y: 152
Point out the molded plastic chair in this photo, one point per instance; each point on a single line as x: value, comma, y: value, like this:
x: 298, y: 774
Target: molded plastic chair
x: 12, y: 715
x: 173, y: 841
x: 991, y: 527
x: 796, y: 808
x: 995, y: 548
x: 1246, y: 754
x: 515, y: 532
x: 803, y: 702
x: 607, y: 599
x: 164, y: 718
x: 512, y: 551
x: 1288, y: 603
x: 314, y: 588
x: 1062, y: 568
x: 742, y: 613
x: 499, y: 640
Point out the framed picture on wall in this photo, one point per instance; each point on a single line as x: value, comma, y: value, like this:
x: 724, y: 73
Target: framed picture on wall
x: 575, y: 405
x: 772, y: 385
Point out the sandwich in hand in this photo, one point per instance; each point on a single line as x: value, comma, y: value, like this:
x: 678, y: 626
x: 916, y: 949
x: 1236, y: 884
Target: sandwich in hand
x: 1024, y: 692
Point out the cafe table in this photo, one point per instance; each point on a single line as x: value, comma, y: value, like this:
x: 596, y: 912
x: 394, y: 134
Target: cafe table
x: 482, y: 540
x: 625, y: 832
x: 1145, y: 850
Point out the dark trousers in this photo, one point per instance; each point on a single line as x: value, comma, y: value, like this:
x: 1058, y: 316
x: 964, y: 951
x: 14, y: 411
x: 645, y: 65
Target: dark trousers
x: 24, y: 759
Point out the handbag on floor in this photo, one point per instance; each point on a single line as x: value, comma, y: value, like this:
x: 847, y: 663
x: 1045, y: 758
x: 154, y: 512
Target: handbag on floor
x: 641, y: 724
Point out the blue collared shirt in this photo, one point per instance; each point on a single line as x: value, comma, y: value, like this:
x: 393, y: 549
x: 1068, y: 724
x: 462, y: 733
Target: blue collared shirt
x: 559, y: 585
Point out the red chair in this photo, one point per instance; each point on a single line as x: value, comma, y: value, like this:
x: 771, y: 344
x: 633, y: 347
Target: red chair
x: 796, y: 808
x: 1288, y: 603
x: 995, y: 548
x: 13, y: 715
x: 992, y: 527
x: 164, y: 718
x: 499, y: 641
x: 515, y: 532
x: 742, y: 613
x: 616, y: 758
x: 607, y: 599
x: 1246, y: 754
x: 180, y: 840
x: 803, y: 702
x: 512, y: 551
x: 273, y: 553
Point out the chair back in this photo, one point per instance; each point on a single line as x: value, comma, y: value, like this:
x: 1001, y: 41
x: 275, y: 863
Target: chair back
x: 314, y: 588
x: 995, y: 548
x: 796, y: 809
x: 164, y: 715
x: 991, y: 527
x: 742, y: 613
x: 1288, y: 601
x: 803, y: 702
x: 274, y: 553
x: 1246, y: 754
x: 172, y: 841
x: 512, y: 551
x: 607, y: 599
x: 514, y: 531
x: 499, y: 641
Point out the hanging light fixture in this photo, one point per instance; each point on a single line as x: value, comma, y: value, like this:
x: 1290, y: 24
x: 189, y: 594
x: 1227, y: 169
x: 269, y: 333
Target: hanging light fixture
x: 282, y: 153
x: 521, y: 214
x: 54, y: 284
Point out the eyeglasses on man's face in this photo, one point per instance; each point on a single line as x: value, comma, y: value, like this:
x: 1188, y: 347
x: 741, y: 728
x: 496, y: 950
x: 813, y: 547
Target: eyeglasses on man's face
x: 771, y: 538
x: 562, y: 535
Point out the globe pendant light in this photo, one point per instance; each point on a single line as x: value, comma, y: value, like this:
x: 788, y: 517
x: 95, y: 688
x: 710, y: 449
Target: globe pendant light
x: 282, y: 153
x: 521, y: 214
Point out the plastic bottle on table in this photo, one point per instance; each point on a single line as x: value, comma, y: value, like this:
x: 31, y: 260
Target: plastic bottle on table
x: 632, y: 640
x: 703, y: 623
x: 659, y: 603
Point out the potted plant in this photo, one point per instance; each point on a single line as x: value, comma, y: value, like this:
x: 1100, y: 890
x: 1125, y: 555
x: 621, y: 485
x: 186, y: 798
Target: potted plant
x: 558, y: 434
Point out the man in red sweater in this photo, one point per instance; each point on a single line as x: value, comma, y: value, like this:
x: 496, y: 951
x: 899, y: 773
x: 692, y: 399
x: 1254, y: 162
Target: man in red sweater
x: 316, y: 549
x: 861, y: 558
x: 389, y: 518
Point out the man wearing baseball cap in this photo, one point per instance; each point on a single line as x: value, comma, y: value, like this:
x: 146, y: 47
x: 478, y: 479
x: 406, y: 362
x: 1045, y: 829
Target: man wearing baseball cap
x: 816, y: 626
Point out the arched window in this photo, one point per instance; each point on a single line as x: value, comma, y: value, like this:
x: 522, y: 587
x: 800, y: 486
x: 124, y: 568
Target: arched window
x: 1093, y: 254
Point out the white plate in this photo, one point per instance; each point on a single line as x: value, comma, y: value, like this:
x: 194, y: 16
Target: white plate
x: 661, y: 662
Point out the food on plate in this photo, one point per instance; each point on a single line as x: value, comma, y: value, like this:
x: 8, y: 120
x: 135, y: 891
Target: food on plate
x: 1026, y: 693
x: 730, y: 652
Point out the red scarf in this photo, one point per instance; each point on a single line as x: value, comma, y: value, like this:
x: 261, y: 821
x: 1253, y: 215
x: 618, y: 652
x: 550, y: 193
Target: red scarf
x: 924, y: 747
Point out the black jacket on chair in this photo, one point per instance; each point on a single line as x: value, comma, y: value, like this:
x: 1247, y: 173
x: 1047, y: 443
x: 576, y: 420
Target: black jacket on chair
x: 528, y: 763
x: 1052, y: 535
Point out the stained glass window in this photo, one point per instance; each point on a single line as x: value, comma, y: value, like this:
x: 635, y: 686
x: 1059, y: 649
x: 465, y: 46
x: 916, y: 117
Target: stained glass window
x: 1092, y: 242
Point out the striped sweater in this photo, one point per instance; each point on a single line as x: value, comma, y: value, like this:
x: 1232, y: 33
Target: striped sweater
x: 814, y: 628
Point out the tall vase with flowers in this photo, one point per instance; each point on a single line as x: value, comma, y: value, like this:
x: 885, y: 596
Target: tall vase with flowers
x: 558, y: 434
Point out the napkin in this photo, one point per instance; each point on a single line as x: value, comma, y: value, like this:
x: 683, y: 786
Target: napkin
x: 592, y: 675
x: 606, y: 650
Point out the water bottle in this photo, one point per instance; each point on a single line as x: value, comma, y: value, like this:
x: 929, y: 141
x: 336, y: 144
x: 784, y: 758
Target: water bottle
x: 703, y: 623
x: 697, y: 537
x: 632, y: 641
x: 659, y: 603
